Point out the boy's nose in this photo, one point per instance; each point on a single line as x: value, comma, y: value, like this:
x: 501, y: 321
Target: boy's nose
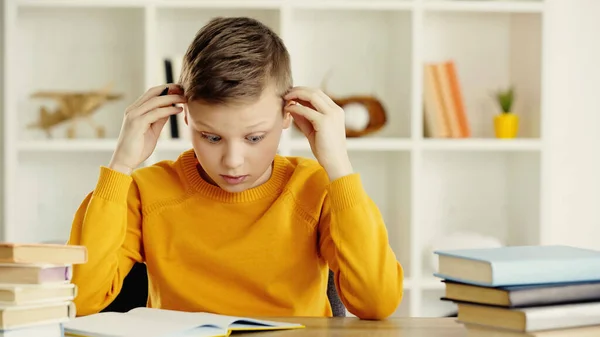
x: 233, y: 158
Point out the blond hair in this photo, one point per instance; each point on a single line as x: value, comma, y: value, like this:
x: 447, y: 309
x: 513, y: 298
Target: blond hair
x: 234, y: 59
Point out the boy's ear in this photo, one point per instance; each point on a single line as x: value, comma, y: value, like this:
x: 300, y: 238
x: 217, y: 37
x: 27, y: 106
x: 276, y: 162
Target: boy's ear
x: 287, y: 117
x: 287, y: 120
x: 185, y: 114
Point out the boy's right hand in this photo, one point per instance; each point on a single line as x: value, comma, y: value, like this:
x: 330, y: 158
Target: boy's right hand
x: 142, y: 125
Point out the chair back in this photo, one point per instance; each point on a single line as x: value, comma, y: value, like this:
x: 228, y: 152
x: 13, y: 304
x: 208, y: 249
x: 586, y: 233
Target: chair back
x: 337, y: 306
x: 134, y: 292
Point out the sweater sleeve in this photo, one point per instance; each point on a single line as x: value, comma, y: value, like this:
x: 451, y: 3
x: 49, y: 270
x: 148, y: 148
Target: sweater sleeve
x: 108, y: 224
x: 354, y: 241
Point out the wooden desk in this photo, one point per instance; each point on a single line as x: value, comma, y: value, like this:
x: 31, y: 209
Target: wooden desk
x: 346, y: 326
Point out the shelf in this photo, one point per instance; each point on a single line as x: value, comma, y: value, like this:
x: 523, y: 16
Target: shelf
x: 429, y: 282
x: 82, y: 3
x: 173, y: 145
x: 481, y: 144
x: 373, y: 46
x: 361, y: 144
x: 485, y: 6
x: 426, y: 283
x: 51, y: 188
x: 404, y: 309
x: 425, y: 188
x: 176, y: 27
x: 353, y: 4
x: 474, y: 6
x: 433, y: 306
x: 93, y: 145
x: 67, y: 145
x: 491, y: 198
x: 221, y: 4
x: 491, y: 51
x: 401, y: 144
x: 301, y: 144
x: 91, y: 57
x: 157, y: 3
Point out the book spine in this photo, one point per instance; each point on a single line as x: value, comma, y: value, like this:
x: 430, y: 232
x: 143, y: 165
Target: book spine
x: 561, y: 293
x: 562, y: 317
x: 544, y: 272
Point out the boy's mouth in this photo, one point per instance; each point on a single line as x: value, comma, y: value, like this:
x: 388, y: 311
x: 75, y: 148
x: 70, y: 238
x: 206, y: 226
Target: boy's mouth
x: 232, y: 180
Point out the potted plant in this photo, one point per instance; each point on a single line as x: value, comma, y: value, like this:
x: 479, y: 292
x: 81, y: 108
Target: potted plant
x: 506, y: 123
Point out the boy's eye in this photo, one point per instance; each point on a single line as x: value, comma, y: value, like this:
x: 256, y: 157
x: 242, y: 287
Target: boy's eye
x: 255, y: 139
x: 211, y: 138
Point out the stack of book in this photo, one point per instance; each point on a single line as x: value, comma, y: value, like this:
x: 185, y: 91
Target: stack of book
x: 513, y: 291
x: 36, y: 293
x: 445, y: 114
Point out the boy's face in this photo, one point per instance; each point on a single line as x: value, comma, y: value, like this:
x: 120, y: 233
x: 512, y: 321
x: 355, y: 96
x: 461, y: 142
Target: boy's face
x: 236, y: 144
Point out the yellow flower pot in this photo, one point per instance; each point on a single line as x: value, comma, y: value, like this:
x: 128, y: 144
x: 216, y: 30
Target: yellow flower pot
x: 506, y: 125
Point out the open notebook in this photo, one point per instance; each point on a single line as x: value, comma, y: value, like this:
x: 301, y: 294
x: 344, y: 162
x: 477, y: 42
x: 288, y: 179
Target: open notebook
x: 149, y: 322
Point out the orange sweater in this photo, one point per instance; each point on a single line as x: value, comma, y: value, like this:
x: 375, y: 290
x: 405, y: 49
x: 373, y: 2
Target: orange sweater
x: 265, y: 251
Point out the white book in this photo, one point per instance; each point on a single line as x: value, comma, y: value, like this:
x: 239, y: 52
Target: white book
x: 547, y: 317
x: 150, y: 322
x: 42, y: 330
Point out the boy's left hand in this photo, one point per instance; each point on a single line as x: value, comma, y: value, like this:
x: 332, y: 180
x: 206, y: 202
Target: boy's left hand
x: 323, y: 123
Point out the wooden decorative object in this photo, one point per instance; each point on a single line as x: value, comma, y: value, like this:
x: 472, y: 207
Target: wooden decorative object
x: 376, y: 113
x: 363, y: 104
x: 72, y: 107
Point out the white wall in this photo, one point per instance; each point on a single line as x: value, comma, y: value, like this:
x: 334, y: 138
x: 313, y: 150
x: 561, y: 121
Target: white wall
x: 1, y: 103
x: 573, y: 98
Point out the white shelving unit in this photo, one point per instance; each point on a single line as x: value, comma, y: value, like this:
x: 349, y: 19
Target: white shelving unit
x: 2, y: 79
x: 426, y: 188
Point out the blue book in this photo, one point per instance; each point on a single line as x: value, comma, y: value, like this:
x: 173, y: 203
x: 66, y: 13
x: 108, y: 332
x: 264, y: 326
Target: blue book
x: 519, y: 265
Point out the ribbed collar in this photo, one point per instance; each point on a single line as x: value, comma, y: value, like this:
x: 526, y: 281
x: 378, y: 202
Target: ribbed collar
x: 273, y: 186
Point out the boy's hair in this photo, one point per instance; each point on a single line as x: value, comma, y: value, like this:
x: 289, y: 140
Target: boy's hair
x: 234, y: 59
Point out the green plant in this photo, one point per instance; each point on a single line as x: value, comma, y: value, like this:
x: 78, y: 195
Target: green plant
x: 506, y: 99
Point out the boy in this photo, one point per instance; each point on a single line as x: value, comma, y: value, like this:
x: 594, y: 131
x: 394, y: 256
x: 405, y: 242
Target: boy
x: 231, y: 227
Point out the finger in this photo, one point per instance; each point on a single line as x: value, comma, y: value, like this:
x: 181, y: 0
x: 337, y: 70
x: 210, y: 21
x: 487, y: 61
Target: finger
x: 155, y: 91
x: 158, y: 102
x: 309, y: 95
x: 323, y: 96
x: 313, y: 116
x: 304, y: 103
x: 158, y: 125
x: 159, y: 113
x: 304, y: 125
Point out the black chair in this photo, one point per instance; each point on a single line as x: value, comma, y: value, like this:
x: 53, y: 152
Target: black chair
x: 134, y: 293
